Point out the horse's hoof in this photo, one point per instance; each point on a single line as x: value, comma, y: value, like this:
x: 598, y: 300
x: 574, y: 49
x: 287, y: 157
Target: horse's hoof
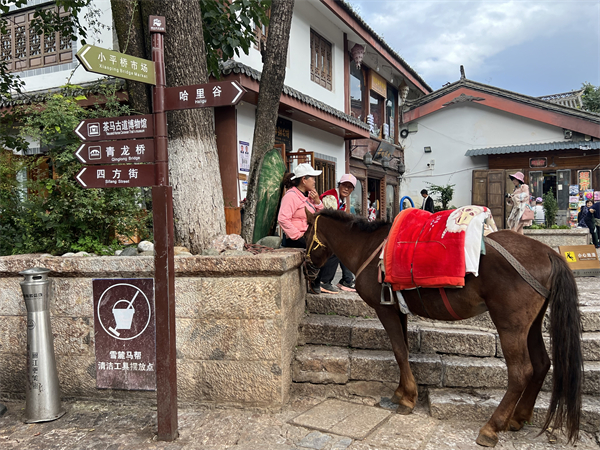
x: 487, y: 441
x: 395, y: 398
x: 404, y: 410
x: 515, y: 425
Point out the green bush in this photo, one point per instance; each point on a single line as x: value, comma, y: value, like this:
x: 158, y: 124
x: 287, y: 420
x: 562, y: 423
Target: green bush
x: 53, y: 214
x: 550, y: 208
x: 444, y: 194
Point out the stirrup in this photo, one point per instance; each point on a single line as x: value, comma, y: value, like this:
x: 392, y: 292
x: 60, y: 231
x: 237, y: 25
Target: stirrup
x: 383, y: 300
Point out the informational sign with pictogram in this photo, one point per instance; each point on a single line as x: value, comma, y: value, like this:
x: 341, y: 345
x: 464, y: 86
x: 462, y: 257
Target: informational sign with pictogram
x: 113, y: 152
x: 124, y: 331
x: 126, y: 127
x: 582, y: 259
x: 99, y: 177
x: 116, y: 64
x: 224, y: 93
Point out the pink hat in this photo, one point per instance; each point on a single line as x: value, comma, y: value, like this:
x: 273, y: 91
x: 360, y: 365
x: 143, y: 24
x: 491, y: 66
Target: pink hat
x: 518, y: 176
x: 348, y: 178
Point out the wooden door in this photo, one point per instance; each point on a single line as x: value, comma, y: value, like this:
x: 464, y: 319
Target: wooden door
x: 495, y: 196
x: 508, y: 189
x: 480, y: 188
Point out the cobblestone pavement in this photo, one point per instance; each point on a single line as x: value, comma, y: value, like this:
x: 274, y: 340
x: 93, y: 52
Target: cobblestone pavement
x: 306, y: 423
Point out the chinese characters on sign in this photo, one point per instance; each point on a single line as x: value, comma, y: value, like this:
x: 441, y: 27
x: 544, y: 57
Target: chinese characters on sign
x: 108, y: 62
x: 138, y: 151
x: 116, y: 128
x: 584, y: 179
x: 224, y: 93
x: 116, y: 176
x: 124, y: 333
x: 244, y: 156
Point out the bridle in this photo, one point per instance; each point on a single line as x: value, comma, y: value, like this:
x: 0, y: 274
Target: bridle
x: 314, y: 239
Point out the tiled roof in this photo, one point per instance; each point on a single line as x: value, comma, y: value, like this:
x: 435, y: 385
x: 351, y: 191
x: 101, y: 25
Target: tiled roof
x: 348, y: 8
x: 90, y: 88
x: 236, y: 67
x: 531, y: 101
x: 544, y: 147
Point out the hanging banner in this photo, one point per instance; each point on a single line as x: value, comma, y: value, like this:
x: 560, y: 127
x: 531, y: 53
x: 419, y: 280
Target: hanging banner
x: 584, y: 178
x: 244, y: 156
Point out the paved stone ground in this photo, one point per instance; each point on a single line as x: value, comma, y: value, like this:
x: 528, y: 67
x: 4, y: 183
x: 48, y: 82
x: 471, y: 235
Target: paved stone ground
x: 306, y: 423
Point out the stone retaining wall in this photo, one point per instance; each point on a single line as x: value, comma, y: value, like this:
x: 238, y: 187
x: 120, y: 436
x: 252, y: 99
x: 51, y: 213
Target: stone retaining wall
x: 559, y: 237
x: 237, y: 324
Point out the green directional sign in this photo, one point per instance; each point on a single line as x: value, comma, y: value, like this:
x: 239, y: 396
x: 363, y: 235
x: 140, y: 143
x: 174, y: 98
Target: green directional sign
x: 108, y: 62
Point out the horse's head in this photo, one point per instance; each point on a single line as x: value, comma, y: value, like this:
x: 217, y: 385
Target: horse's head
x: 317, y: 252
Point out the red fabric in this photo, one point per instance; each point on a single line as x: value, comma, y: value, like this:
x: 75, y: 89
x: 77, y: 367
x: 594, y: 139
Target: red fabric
x: 333, y: 192
x: 419, y: 253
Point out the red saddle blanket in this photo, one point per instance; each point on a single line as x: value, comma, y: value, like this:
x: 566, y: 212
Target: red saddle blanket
x: 420, y: 252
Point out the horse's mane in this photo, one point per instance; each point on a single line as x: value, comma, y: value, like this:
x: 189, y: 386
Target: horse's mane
x: 355, y: 221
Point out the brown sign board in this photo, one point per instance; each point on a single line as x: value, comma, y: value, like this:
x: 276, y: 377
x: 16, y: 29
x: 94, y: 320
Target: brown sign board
x: 114, y: 152
x: 223, y: 93
x: 126, y: 127
x: 582, y: 259
x: 115, y: 64
x: 157, y: 24
x: 98, y: 177
x: 125, y: 335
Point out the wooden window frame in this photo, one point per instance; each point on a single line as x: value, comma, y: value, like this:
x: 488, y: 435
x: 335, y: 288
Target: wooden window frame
x: 321, y: 61
x: 326, y: 180
x: 22, y: 50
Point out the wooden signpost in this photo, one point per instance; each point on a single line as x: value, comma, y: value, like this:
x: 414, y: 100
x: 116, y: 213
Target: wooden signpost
x: 131, y: 141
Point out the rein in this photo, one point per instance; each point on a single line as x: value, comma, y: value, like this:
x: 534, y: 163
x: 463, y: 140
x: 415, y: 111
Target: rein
x: 314, y: 239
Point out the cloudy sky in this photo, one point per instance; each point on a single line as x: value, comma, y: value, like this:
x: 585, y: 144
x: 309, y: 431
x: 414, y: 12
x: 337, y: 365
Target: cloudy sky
x: 531, y: 47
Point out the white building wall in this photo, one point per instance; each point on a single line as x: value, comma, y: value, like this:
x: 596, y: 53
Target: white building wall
x: 55, y: 76
x: 450, y: 133
x: 297, y: 75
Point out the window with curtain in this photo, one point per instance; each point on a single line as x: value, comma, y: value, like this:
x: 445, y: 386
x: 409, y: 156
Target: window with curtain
x: 356, y: 199
x: 357, y: 89
x: 376, y: 111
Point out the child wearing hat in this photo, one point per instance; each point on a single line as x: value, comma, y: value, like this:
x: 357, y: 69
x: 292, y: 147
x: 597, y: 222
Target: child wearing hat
x: 539, y: 216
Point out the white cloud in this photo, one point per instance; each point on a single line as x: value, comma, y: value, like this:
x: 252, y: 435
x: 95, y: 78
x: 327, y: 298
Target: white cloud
x: 435, y: 38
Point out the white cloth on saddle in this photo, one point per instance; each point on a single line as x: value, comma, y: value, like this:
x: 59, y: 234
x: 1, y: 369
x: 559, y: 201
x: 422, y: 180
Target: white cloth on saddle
x: 475, y: 221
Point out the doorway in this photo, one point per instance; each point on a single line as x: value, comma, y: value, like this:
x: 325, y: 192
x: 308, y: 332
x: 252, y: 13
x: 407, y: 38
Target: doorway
x: 373, y: 198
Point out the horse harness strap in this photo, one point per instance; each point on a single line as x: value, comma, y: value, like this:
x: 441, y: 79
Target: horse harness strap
x: 535, y: 284
x: 369, y: 259
x: 314, y: 239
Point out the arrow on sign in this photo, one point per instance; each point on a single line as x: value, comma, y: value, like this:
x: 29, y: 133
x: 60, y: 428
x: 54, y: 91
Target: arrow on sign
x: 135, y: 175
x: 125, y: 127
x: 112, y: 152
x: 241, y: 91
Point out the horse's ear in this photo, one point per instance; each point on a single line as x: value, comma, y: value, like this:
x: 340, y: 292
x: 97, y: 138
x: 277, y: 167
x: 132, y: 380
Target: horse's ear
x: 310, y: 217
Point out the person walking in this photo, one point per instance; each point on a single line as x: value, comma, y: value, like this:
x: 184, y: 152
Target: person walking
x: 338, y: 198
x: 427, y: 201
x: 585, y: 218
x: 521, y: 214
x: 300, y: 196
x: 539, y: 215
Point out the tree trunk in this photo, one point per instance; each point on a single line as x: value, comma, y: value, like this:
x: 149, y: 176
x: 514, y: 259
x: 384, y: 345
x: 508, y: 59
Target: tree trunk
x: 133, y: 41
x: 271, y: 85
x: 193, y: 159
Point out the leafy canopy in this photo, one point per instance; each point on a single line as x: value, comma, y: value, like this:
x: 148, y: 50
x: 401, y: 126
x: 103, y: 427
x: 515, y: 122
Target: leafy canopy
x: 591, y: 97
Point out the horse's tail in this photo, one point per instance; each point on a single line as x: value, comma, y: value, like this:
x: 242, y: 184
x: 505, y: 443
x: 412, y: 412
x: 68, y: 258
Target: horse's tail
x: 565, y: 334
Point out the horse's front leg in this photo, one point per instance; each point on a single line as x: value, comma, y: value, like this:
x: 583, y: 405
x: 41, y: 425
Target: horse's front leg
x: 407, y: 393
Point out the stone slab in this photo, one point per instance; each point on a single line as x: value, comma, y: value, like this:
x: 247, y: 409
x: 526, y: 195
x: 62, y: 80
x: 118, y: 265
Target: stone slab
x: 460, y: 371
x: 590, y: 317
x: 343, y: 418
x: 325, y: 330
x: 321, y: 364
x: 343, y: 304
x: 457, y: 342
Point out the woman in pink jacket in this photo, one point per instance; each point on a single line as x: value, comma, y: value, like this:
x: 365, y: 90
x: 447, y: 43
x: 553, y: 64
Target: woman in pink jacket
x: 301, y: 194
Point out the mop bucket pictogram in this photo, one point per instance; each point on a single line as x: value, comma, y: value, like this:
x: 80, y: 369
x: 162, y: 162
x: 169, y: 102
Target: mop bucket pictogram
x: 123, y: 316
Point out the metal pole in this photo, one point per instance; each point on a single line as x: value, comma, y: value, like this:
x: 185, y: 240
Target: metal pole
x: 164, y: 260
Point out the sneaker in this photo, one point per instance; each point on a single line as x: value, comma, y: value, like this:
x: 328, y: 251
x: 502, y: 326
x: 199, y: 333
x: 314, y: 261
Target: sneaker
x: 345, y: 288
x: 346, y: 284
x: 314, y: 287
x: 328, y: 288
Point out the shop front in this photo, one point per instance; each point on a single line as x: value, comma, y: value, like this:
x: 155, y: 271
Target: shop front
x: 571, y: 174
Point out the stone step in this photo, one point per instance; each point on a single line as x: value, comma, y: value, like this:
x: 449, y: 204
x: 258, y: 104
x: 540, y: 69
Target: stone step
x: 475, y: 404
x: 337, y: 365
x: 350, y: 304
x: 423, y: 337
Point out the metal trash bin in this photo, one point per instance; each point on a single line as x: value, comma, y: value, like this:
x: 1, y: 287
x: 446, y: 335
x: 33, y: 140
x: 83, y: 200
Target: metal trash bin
x: 42, y: 388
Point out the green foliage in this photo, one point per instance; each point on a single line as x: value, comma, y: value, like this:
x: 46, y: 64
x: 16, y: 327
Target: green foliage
x: 550, y: 208
x: 444, y: 194
x: 50, y: 212
x: 544, y: 227
x: 591, y: 97
x: 228, y: 26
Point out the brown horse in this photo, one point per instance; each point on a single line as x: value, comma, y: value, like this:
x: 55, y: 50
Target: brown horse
x: 516, y: 309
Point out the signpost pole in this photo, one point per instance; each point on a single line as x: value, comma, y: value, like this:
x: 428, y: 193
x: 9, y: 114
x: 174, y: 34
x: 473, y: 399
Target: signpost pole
x: 164, y: 261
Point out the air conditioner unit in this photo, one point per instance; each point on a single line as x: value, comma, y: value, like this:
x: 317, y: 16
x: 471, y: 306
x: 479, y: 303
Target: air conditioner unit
x: 568, y: 134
